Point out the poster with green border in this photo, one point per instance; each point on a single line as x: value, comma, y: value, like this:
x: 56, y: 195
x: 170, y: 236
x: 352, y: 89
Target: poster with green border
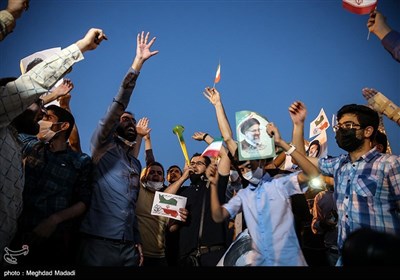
x: 253, y: 139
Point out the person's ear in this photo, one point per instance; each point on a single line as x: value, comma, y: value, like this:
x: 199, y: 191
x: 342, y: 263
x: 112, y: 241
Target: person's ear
x: 64, y: 126
x: 368, y: 131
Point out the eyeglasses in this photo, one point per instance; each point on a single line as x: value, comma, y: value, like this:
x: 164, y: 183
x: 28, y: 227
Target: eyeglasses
x: 198, y: 163
x: 346, y: 125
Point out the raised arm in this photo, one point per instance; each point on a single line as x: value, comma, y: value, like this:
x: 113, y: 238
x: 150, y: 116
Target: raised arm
x: 214, y: 97
x: 390, y: 39
x: 377, y: 24
x: 143, y: 52
x: 74, y: 139
x: 16, y: 96
x: 218, y: 213
x: 108, y: 124
x: 143, y: 132
x: 224, y: 161
x: 64, y: 88
x: 174, y: 187
x: 9, y: 16
x: 310, y: 171
x: 381, y: 104
x: 298, y: 113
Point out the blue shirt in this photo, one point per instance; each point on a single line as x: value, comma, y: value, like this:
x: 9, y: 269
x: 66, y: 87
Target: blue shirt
x: 269, y: 218
x: 116, y: 177
x: 367, y: 192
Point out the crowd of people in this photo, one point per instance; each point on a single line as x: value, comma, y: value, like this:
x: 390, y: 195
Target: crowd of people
x: 95, y: 210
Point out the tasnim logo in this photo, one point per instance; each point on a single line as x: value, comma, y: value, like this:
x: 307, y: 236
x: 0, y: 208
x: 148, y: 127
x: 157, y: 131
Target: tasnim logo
x: 9, y: 256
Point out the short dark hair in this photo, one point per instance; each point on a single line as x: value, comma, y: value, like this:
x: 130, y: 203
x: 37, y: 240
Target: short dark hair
x: 33, y: 63
x: 63, y: 116
x: 366, y: 247
x: 206, y: 159
x: 365, y: 115
x: 154, y: 163
x: 381, y: 138
x: 174, y: 166
x: 248, y: 123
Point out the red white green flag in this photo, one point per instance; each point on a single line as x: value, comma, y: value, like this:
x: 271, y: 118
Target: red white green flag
x: 218, y: 74
x: 360, y: 7
x: 213, y: 149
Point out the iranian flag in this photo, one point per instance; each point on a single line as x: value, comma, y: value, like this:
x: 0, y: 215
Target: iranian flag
x: 360, y: 7
x: 213, y: 149
x: 218, y: 74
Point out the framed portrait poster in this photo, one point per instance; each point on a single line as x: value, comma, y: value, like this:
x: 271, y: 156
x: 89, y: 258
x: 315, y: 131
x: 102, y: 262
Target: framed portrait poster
x: 253, y: 139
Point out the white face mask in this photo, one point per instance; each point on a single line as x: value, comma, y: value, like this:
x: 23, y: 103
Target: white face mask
x: 233, y: 175
x: 45, y: 133
x: 254, y: 177
x: 154, y: 186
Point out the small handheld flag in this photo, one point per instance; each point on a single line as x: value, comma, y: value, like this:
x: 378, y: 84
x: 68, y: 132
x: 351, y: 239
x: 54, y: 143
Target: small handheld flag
x: 213, y: 149
x: 217, y: 75
x: 360, y: 7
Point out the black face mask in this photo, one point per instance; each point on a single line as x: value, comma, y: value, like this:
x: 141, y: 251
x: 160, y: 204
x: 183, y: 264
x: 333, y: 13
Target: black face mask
x: 195, y: 178
x: 347, y: 139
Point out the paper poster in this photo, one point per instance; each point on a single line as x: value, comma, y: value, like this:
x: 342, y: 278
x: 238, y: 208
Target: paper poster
x: 319, y: 124
x: 167, y: 205
x: 253, y: 139
x: 42, y: 55
x: 318, y: 147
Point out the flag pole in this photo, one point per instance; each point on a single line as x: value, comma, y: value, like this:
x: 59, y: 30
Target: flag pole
x: 369, y: 31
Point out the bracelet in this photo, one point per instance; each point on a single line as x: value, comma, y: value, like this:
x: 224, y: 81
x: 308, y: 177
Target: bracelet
x: 204, y: 137
x: 291, y: 150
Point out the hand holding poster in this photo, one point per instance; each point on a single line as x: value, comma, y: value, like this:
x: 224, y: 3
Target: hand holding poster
x: 251, y: 132
x: 167, y: 205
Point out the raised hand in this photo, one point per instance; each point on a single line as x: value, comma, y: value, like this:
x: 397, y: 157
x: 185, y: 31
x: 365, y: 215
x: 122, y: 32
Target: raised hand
x: 212, y: 95
x: 198, y: 135
x: 64, y: 101
x: 369, y: 93
x: 377, y: 24
x: 273, y: 131
x: 92, y: 39
x: 17, y: 7
x: 142, y: 127
x: 66, y: 86
x: 298, y: 112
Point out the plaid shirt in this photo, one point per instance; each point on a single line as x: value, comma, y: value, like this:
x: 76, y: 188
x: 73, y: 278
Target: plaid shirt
x: 367, y: 192
x: 54, y: 181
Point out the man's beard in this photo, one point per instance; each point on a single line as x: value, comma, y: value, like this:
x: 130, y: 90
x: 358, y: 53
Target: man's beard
x: 195, y: 178
x: 128, y: 136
